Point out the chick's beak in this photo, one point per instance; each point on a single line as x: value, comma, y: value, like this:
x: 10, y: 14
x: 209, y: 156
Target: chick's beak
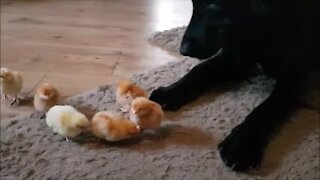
x: 139, y: 129
x: 133, y: 111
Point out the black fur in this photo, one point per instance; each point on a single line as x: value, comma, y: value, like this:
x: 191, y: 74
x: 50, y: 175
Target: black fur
x: 281, y: 35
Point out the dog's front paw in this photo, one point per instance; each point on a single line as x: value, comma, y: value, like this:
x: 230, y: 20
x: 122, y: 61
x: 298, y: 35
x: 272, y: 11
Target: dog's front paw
x: 167, y: 99
x: 242, y: 151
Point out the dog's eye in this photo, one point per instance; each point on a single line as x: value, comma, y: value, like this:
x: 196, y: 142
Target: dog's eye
x: 214, y: 15
x: 213, y: 8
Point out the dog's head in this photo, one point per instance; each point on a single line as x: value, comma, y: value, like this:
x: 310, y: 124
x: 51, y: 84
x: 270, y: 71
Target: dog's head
x: 204, y: 35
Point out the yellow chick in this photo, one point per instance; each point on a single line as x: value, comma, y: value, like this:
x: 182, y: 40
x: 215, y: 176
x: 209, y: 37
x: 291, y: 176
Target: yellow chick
x: 67, y: 121
x: 11, y: 84
x: 146, y: 113
x: 126, y: 92
x: 107, y: 126
x: 45, y: 97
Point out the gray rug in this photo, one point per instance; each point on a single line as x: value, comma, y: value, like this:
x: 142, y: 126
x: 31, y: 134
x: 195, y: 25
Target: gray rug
x: 168, y: 40
x: 187, y: 149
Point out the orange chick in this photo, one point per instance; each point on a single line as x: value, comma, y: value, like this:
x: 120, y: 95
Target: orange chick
x: 126, y: 92
x: 146, y: 113
x: 45, y: 97
x: 107, y: 126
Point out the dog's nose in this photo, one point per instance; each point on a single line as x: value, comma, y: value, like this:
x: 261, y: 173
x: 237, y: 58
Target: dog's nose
x: 185, y: 49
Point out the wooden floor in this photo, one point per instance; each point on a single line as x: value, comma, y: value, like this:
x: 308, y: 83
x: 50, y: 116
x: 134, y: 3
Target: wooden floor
x: 80, y: 44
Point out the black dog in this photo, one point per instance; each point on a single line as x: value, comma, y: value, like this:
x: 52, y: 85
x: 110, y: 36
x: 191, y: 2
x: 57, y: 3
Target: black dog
x: 280, y: 35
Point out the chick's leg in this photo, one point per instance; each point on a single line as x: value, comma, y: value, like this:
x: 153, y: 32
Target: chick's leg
x: 15, y: 100
x: 156, y: 134
x: 4, y: 97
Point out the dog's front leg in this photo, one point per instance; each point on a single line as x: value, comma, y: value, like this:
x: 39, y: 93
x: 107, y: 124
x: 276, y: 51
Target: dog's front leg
x: 244, y: 147
x: 207, y: 73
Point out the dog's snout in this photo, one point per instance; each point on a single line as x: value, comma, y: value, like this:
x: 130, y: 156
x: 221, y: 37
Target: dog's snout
x: 188, y: 45
x: 185, y: 49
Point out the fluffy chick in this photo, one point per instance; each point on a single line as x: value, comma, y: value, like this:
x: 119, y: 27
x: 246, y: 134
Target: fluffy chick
x: 146, y: 113
x: 126, y: 92
x: 107, y: 126
x: 45, y: 97
x: 67, y: 121
x: 11, y: 84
